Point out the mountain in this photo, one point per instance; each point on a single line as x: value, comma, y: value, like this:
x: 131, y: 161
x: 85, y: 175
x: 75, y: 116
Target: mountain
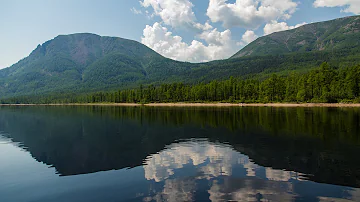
x: 343, y: 33
x: 82, y: 63
x: 87, y: 61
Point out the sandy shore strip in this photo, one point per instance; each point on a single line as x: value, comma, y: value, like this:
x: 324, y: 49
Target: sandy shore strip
x: 252, y: 105
x: 180, y: 104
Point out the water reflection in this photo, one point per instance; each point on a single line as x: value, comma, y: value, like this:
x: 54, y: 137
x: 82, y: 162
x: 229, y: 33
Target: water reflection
x: 251, y: 190
x: 233, y: 175
x: 210, y: 159
x: 192, y: 154
x: 230, y: 176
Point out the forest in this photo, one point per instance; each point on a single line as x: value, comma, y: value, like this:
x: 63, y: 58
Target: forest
x: 321, y: 85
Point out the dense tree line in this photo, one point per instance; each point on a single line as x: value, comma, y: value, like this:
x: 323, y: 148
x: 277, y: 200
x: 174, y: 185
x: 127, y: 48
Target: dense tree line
x: 324, y: 84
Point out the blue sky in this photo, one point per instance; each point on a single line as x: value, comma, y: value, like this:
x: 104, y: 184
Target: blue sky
x: 187, y: 30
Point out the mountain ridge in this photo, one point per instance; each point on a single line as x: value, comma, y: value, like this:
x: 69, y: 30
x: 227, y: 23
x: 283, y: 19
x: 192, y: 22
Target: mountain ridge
x: 86, y: 62
x: 319, y: 36
x: 67, y: 59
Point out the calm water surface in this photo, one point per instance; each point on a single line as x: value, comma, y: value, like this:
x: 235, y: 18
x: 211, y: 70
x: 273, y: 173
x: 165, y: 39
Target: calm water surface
x: 179, y: 154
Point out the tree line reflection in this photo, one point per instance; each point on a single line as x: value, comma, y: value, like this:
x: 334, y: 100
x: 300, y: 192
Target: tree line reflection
x: 320, y: 143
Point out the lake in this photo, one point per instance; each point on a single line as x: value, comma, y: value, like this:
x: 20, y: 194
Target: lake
x: 107, y: 153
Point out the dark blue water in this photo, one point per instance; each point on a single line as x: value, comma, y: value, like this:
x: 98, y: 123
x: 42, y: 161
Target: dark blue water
x: 179, y: 154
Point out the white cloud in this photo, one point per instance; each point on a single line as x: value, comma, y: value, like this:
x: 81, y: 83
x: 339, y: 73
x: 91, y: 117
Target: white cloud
x: 209, y: 159
x: 218, y: 161
x: 176, y: 13
x: 352, y: 6
x: 249, y: 37
x: 219, y: 44
x: 249, y: 13
x: 275, y: 26
x: 215, y: 37
x: 135, y: 11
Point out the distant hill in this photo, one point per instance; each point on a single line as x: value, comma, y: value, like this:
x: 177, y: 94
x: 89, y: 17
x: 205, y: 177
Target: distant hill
x: 85, y: 61
x: 343, y: 33
x: 81, y: 63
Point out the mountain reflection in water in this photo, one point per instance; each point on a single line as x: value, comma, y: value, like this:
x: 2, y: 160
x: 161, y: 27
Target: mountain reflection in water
x: 186, y: 154
x: 233, y: 175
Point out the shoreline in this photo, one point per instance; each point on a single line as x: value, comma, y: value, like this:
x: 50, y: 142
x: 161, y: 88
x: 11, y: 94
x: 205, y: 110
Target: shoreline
x: 180, y: 104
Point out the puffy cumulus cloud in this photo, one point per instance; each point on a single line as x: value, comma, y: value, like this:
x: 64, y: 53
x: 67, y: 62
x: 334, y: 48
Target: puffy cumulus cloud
x: 249, y: 13
x: 275, y: 26
x: 176, y: 13
x: 352, y: 6
x: 215, y: 37
x: 249, y: 37
x: 205, y: 26
x: 219, y: 44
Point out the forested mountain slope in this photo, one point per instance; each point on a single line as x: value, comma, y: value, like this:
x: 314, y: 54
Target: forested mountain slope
x: 83, y: 63
x: 342, y: 33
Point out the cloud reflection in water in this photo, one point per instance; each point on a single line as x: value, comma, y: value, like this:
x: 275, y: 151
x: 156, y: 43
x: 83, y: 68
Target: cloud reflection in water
x: 221, y: 166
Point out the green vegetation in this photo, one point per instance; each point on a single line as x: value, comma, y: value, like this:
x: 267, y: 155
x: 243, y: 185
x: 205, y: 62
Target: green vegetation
x: 81, y: 64
x: 324, y: 84
x: 340, y: 33
x: 84, y: 63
